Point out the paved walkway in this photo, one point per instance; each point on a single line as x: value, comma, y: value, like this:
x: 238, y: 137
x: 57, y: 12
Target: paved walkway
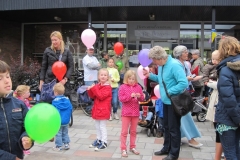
x: 82, y: 133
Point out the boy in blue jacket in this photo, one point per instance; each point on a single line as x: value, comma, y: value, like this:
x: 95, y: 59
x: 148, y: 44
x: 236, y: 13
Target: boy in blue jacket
x: 13, y: 139
x: 64, y: 106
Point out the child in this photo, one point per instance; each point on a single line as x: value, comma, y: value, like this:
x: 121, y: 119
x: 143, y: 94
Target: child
x: 102, y: 95
x: 212, y: 83
x: 64, y: 106
x: 130, y: 93
x: 114, y: 78
x: 159, y: 111
x: 22, y: 93
x: 13, y: 136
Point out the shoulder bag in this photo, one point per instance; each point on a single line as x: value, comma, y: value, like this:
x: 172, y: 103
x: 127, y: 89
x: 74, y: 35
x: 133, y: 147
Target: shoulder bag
x: 182, y: 103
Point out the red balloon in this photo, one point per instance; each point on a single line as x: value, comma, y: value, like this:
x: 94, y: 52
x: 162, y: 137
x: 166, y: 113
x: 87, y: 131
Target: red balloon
x: 118, y: 48
x: 59, y: 69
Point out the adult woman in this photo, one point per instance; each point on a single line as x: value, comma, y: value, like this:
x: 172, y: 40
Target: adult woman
x: 52, y: 54
x: 171, y: 72
x: 228, y: 108
x: 188, y: 128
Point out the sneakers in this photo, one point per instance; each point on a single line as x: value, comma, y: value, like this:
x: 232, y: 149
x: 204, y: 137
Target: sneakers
x: 66, y: 147
x: 57, y: 148
x: 26, y: 152
x: 116, y: 116
x: 159, y: 134
x: 101, y: 146
x: 95, y: 143
x: 110, y: 119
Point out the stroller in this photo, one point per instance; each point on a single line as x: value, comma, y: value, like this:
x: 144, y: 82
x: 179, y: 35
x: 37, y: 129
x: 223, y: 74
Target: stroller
x: 147, y: 106
x: 84, y: 100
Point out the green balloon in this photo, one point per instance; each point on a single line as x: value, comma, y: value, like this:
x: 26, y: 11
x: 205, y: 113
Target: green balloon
x: 42, y: 122
x: 119, y: 65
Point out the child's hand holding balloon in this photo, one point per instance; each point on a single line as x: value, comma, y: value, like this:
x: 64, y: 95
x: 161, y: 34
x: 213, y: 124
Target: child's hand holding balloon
x: 26, y: 142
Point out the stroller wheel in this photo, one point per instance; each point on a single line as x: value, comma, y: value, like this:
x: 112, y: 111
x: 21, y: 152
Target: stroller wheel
x: 201, y: 116
x: 154, y: 132
x: 149, y: 132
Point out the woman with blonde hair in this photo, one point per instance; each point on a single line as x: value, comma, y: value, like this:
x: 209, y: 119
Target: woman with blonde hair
x: 227, y: 113
x: 56, y: 52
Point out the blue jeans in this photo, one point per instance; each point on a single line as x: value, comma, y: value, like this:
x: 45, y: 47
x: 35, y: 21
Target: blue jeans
x: 62, y: 136
x: 172, y: 133
x: 149, y: 116
x: 230, y: 142
x: 89, y: 83
x: 115, y: 99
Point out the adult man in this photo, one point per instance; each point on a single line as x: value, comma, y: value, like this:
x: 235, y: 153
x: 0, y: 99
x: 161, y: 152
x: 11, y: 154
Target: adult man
x: 90, y: 66
x: 197, y: 62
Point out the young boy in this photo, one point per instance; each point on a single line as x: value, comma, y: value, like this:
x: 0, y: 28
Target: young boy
x: 12, y: 114
x: 64, y: 107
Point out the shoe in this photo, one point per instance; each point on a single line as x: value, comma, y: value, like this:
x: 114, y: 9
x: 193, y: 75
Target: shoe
x: 110, y: 119
x: 52, y: 140
x: 222, y: 156
x: 134, y: 151
x: 101, y: 146
x: 169, y: 157
x: 159, y: 134
x: 66, y: 147
x: 124, y: 153
x: 144, y: 123
x: 116, y: 116
x: 57, y: 148
x: 95, y: 143
x: 197, y: 146
x: 159, y: 153
x: 139, y: 121
x: 26, y: 152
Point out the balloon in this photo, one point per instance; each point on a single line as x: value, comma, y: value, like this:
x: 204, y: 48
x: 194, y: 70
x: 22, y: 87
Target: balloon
x: 88, y: 37
x: 118, y: 48
x: 156, y: 91
x: 119, y: 64
x: 140, y: 71
x: 42, y: 122
x: 143, y: 57
x: 59, y: 69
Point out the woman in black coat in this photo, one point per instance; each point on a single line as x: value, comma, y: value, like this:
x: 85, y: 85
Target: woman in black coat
x: 52, y: 54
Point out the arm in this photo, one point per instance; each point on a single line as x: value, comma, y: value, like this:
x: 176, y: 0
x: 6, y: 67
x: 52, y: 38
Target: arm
x: 212, y: 84
x: 123, y: 94
x: 116, y: 77
x: 69, y: 64
x: 141, y: 98
x: 127, y: 64
x: 102, y: 93
x: 154, y: 77
x: 7, y: 155
x: 44, y: 65
x: 206, y: 71
x: 90, y: 94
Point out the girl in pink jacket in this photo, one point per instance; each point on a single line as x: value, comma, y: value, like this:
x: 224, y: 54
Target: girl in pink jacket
x: 130, y: 93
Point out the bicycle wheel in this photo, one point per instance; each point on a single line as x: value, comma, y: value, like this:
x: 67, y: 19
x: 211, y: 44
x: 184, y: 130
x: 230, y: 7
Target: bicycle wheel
x: 201, y: 116
x: 83, y: 107
x: 71, y: 121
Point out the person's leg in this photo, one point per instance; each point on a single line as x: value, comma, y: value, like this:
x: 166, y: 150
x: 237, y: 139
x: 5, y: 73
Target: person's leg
x: 103, y: 130
x: 167, y: 138
x: 133, y: 132
x: 149, y: 116
x: 65, y: 137
x: 58, y: 139
x: 218, y: 146
x: 125, y: 125
x: 98, y: 130
x: 115, y: 102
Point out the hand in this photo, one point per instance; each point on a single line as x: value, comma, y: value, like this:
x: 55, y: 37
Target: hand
x: 26, y: 142
x: 145, y: 73
x: 133, y: 95
x: 18, y: 158
x: 205, y: 83
x: 137, y: 95
x: 63, y: 81
x: 190, y: 78
x: 112, y: 80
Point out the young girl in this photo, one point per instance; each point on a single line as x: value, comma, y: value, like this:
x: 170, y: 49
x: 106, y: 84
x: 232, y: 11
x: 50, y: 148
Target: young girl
x: 102, y: 95
x: 130, y: 93
x: 114, y: 78
x: 22, y: 93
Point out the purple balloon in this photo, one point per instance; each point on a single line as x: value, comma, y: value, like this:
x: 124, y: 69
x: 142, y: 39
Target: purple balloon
x: 143, y: 57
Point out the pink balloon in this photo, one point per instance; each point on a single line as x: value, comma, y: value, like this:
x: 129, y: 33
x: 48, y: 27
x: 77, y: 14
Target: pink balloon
x: 88, y: 37
x: 140, y: 71
x: 156, y: 91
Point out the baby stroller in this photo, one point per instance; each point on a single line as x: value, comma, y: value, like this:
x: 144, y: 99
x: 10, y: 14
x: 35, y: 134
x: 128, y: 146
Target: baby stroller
x: 83, y: 99
x: 147, y: 106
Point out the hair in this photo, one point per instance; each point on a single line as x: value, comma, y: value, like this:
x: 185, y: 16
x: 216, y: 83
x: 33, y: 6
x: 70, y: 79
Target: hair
x: 58, y: 35
x: 128, y: 74
x: 104, y: 53
x: 4, y: 67
x: 104, y: 69
x: 20, y: 90
x: 228, y: 46
x: 157, y: 52
x: 178, y: 50
x: 59, y: 88
x: 196, y: 51
x: 111, y: 59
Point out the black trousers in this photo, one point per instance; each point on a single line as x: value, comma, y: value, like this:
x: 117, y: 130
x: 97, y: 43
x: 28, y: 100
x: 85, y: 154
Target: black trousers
x: 172, y: 133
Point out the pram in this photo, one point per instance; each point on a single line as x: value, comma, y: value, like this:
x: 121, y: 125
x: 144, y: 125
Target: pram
x: 148, y: 106
x: 83, y: 99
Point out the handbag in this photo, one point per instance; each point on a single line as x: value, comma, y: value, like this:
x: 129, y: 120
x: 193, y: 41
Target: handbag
x: 47, y: 94
x: 182, y: 103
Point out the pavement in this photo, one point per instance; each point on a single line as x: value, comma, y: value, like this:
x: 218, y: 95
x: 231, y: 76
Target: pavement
x: 82, y: 134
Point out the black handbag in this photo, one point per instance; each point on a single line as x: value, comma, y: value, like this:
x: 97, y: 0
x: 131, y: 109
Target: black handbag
x: 182, y: 103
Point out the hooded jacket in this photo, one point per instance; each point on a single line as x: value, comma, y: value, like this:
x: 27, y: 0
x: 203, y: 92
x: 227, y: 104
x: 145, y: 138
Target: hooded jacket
x: 64, y: 107
x: 12, y: 115
x: 228, y: 107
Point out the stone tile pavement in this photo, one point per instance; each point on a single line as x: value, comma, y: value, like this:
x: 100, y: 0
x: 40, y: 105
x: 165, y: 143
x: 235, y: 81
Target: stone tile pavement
x: 82, y: 133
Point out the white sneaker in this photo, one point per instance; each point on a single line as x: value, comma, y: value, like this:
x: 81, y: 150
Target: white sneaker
x: 110, y: 119
x: 116, y: 116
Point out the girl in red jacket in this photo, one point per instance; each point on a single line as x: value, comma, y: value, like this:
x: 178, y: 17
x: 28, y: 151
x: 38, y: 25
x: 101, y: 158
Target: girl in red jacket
x: 102, y: 95
x: 130, y: 93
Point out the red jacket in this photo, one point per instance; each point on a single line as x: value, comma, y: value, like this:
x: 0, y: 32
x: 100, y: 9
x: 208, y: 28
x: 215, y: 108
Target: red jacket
x: 102, y: 95
x: 130, y: 105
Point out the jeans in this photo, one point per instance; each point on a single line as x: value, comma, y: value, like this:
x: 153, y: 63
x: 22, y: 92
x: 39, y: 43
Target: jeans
x: 89, y: 83
x: 160, y: 125
x: 62, y: 136
x: 149, y: 116
x: 230, y: 142
x: 114, y: 99
x: 172, y: 133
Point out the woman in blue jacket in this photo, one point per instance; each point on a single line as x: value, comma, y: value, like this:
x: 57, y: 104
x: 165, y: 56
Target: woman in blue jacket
x: 228, y: 108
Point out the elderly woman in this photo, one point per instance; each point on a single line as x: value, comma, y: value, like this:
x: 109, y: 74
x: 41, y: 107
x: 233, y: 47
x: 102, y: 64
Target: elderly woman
x: 171, y: 72
x: 188, y: 128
